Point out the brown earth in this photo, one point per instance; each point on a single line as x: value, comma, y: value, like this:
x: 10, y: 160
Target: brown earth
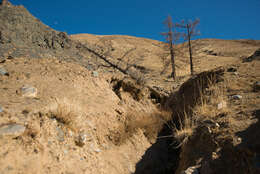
x: 49, y: 144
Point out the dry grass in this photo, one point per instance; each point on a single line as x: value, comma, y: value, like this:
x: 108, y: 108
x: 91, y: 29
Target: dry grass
x: 186, y: 128
x: 150, y: 122
x: 212, y: 102
x: 66, y: 112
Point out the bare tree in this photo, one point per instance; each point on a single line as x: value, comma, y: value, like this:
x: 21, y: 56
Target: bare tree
x: 172, y: 37
x: 191, y: 32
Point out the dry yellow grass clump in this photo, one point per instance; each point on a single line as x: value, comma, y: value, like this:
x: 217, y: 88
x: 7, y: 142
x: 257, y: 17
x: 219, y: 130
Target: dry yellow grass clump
x: 184, y: 130
x: 212, y: 103
x: 66, y: 112
x: 151, y: 122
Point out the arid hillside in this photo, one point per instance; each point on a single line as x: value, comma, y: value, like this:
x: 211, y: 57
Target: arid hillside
x: 149, y: 53
x: 150, y: 56
x: 106, y: 104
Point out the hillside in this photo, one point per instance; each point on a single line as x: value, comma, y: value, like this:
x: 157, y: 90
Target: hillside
x: 100, y: 104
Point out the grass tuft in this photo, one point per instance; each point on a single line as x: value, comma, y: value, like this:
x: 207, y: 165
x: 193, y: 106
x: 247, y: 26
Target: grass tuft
x: 65, y: 112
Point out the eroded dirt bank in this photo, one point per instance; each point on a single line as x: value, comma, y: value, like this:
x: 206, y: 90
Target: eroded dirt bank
x: 68, y: 117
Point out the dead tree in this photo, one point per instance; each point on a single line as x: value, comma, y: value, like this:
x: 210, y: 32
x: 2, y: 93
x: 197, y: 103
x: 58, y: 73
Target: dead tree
x: 170, y: 39
x: 191, y: 32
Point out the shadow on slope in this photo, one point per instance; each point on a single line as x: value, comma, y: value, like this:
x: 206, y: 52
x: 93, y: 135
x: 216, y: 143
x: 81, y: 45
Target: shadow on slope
x: 161, y: 157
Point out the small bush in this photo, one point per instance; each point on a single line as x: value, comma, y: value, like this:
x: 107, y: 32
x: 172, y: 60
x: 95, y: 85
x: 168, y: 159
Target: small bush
x: 185, y: 129
x: 66, y: 112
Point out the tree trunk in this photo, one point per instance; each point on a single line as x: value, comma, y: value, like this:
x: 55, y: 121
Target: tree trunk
x: 171, y: 44
x: 191, y: 64
x: 173, y: 74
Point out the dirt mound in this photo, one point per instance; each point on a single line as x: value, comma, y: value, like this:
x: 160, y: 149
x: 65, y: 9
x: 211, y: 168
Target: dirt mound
x: 59, y: 115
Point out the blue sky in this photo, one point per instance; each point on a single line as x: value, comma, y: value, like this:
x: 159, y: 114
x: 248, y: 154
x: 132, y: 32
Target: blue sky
x: 223, y: 19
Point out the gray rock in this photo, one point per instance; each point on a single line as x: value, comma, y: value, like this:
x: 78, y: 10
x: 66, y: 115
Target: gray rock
x: 256, y: 86
x: 60, y: 134
x: 97, y: 150
x: 28, y: 91
x: 1, y: 109
x: 191, y: 170
x: 95, y: 73
x: 235, y: 73
x: 222, y: 105
x: 3, y: 72
x: 236, y: 97
x: 11, y: 130
x: 65, y: 152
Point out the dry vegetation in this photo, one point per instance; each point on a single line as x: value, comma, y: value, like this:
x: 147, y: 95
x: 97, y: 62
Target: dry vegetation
x: 150, y: 122
x: 65, y: 112
x: 185, y: 129
x: 212, y: 103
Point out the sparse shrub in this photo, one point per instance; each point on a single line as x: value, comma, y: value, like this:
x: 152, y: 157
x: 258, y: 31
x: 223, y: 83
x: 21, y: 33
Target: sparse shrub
x: 150, y: 122
x: 208, y: 106
x: 65, y: 112
x: 184, y: 130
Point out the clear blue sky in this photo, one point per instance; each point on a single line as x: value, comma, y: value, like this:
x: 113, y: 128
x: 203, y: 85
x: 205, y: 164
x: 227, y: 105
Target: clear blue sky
x: 223, y: 19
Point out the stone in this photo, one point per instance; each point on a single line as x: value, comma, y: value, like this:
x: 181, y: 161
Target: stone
x: 1, y: 109
x: 94, y: 73
x: 239, y: 140
x: 222, y: 105
x: 60, y: 134
x: 210, y: 124
x: 81, y: 140
x: 28, y: 91
x: 236, y: 97
x: 256, y: 86
x: 65, y: 152
x: 235, y: 73
x: 12, y: 130
x: 191, y: 170
x: 3, y: 71
x: 97, y: 150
